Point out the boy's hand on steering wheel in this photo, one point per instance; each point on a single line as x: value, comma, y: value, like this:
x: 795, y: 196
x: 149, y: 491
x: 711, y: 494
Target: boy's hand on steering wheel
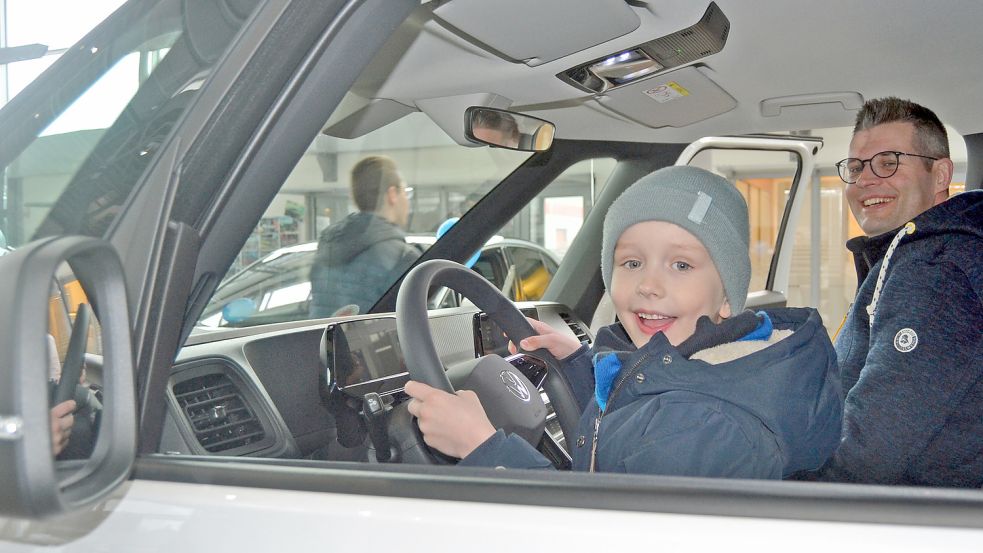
x: 454, y: 424
x: 559, y: 344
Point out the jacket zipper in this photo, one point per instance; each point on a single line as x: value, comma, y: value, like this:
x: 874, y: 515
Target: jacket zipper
x: 600, y: 414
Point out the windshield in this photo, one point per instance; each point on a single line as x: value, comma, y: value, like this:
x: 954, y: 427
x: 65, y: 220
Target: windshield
x: 353, y: 216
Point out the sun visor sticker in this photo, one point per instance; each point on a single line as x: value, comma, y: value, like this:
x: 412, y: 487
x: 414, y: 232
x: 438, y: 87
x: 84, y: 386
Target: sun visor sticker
x: 674, y: 99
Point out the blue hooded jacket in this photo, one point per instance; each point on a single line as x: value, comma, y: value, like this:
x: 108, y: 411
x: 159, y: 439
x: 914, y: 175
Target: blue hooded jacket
x: 766, y: 414
x: 914, y: 379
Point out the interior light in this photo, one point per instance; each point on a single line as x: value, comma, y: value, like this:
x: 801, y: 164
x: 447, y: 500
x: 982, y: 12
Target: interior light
x: 625, y: 67
x: 705, y: 38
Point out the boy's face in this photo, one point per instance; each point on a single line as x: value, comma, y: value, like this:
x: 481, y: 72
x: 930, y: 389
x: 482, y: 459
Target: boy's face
x: 663, y: 280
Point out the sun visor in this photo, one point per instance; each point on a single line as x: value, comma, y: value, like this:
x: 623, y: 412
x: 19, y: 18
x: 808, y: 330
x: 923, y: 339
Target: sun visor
x: 674, y: 99
x: 356, y: 116
x: 546, y: 29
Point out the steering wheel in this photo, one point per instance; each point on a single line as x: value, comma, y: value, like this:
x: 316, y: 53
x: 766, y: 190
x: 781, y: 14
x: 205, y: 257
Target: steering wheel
x: 424, y: 365
x: 71, y: 370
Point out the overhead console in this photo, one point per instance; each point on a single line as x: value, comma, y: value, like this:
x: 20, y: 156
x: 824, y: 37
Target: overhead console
x: 705, y: 38
x: 640, y: 82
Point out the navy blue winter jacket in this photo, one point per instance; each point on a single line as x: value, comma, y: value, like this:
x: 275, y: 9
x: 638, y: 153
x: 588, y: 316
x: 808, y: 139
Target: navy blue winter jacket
x: 914, y: 379
x: 766, y: 414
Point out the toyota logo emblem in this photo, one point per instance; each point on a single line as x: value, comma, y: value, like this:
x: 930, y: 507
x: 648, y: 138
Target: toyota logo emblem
x: 515, y: 385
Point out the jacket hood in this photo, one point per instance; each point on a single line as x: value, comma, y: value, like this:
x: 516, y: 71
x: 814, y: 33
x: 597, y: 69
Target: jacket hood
x: 792, y: 386
x: 960, y: 214
x: 342, y: 242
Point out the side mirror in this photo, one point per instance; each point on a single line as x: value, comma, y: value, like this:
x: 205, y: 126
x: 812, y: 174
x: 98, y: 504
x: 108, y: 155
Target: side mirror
x: 66, y: 335
x: 507, y: 129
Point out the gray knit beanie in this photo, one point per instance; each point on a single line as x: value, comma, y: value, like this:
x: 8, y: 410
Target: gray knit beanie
x: 699, y: 201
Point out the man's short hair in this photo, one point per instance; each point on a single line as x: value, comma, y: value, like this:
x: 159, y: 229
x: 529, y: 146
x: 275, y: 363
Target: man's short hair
x: 497, y: 120
x: 930, y: 135
x: 371, y: 177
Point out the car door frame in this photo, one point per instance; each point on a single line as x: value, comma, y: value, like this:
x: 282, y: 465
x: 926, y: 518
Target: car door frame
x: 247, y: 129
x: 805, y: 148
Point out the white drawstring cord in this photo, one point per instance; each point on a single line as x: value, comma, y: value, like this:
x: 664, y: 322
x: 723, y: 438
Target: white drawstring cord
x: 909, y: 228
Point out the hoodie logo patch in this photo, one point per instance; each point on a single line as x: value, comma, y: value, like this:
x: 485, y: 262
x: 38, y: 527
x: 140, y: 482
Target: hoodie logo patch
x: 905, y: 340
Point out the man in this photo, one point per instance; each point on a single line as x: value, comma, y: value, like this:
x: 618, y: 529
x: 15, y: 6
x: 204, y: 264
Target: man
x: 911, y: 348
x: 361, y: 256
x: 496, y: 128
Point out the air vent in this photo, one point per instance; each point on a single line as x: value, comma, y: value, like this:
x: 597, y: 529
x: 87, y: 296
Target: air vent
x: 218, y: 413
x: 576, y: 327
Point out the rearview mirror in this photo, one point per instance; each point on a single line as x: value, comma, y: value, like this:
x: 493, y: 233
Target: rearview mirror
x: 507, y: 129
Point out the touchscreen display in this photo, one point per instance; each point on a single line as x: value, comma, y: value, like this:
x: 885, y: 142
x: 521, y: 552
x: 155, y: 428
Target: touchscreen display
x: 366, y: 354
x: 489, y: 337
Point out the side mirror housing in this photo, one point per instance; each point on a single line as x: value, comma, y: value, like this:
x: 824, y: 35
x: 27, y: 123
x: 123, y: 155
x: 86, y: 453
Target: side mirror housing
x: 33, y: 484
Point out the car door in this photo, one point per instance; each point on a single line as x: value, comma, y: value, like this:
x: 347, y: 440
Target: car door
x: 156, y: 176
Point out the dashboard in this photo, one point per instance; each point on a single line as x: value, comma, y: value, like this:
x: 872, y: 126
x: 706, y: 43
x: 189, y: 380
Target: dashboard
x: 296, y: 392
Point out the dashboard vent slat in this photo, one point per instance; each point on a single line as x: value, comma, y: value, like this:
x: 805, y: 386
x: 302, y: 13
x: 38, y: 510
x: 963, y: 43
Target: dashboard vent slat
x: 576, y: 328
x: 218, y: 412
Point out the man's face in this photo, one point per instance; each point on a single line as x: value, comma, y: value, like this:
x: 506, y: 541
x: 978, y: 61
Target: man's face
x: 883, y: 204
x: 401, y: 207
x: 663, y: 280
x: 497, y: 136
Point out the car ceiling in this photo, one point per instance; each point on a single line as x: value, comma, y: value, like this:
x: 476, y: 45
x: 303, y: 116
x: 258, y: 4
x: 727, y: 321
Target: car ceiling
x: 775, y: 48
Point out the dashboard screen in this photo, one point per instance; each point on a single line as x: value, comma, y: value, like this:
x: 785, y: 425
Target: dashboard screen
x: 364, y: 356
x: 489, y: 338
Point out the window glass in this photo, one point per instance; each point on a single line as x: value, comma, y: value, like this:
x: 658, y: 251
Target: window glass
x: 74, y: 177
x: 355, y: 213
x: 763, y: 178
x: 553, y: 219
x: 830, y: 286
x: 31, y: 22
x: 54, y: 23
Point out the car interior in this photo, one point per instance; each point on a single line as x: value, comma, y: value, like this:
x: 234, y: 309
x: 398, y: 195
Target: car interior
x: 763, y: 94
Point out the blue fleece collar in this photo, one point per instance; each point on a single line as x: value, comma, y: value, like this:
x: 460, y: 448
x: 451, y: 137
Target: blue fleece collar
x: 762, y: 332
x: 607, y: 365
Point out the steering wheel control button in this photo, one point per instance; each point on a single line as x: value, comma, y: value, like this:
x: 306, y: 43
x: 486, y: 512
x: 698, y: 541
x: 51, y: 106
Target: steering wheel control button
x: 666, y: 359
x: 581, y: 441
x: 515, y: 385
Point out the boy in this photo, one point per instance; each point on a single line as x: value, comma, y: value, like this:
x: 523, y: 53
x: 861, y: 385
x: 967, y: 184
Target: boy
x: 686, y: 383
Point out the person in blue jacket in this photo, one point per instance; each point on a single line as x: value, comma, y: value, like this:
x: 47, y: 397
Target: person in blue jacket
x: 687, y: 382
x: 911, y: 348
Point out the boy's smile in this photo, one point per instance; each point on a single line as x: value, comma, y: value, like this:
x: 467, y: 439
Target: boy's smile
x: 664, y: 280
x: 650, y: 323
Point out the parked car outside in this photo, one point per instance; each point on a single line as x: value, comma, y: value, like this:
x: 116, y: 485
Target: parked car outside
x: 277, y: 288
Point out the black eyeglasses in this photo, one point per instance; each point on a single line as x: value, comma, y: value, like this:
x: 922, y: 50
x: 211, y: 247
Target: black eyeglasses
x: 883, y: 164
